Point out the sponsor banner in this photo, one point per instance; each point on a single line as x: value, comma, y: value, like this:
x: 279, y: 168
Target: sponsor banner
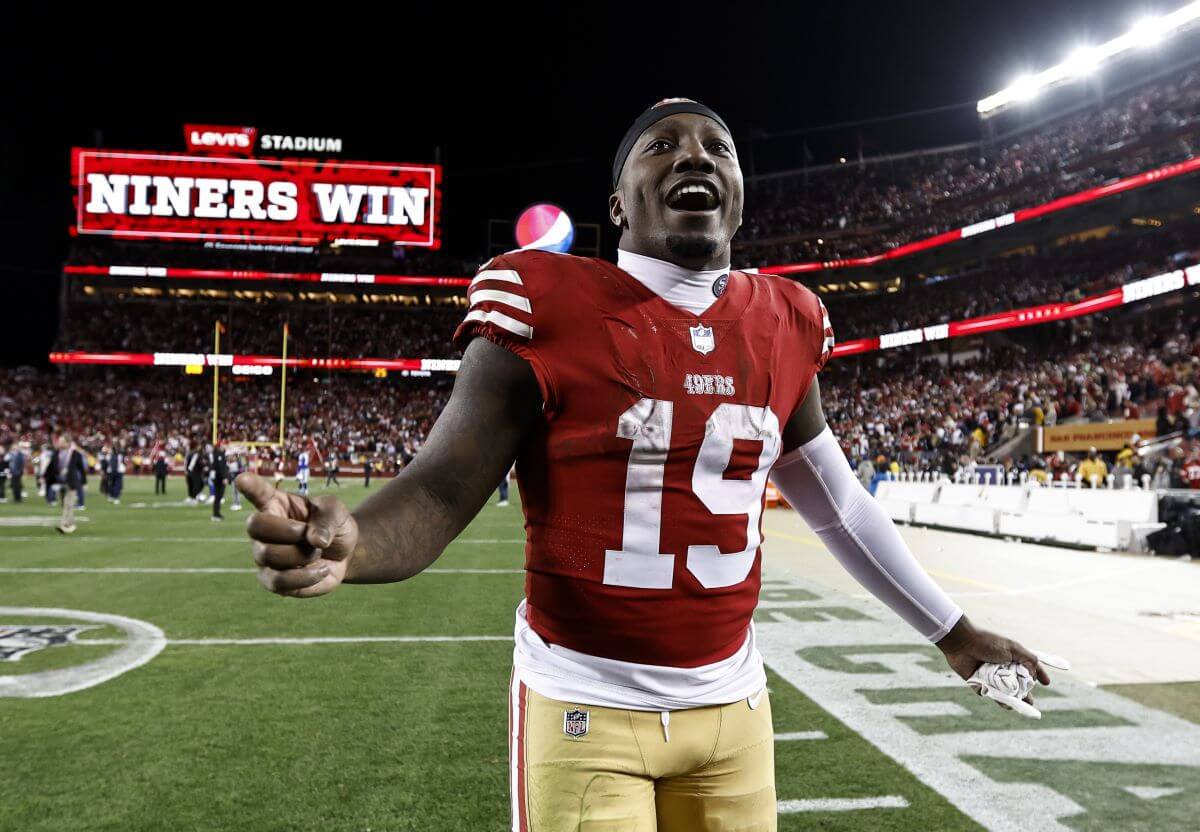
x: 251, y: 274
x: 241, y: 364
x: 219, y: 140
x: 182, y: 197
x: 1003, y: 221
x: 1104, y: 436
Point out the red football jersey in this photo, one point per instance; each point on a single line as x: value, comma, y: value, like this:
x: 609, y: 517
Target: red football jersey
x: 1191, y: 472
x: 643, y: 484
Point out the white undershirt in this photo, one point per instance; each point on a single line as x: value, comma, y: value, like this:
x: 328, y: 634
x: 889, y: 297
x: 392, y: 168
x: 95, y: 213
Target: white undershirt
x: 684, y: 288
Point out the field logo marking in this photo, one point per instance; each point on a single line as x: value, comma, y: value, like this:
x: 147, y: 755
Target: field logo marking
x: 1095, y: 760
x: 17, y: 640
x: 144, y: 642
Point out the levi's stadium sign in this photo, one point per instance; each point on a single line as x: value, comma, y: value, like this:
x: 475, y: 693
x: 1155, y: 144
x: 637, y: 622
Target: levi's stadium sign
x: 239, y: 141
x: 225, y: 197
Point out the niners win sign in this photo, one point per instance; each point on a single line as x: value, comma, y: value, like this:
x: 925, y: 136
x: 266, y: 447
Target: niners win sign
x: 186, y: 197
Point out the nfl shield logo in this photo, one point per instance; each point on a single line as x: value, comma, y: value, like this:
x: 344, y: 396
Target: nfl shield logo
x: 703, y: 341
x: 575, y: 723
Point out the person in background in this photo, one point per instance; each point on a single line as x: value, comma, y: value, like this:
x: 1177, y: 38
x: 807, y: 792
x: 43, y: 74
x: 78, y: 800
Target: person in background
x: 1125, y: 456
x: 160, y: 473
x: 207, y: 483
x: 116, y: 474
x: 105, y: 453
x: 43, y: 464
x: 191, y: 469
x: 1122, y: 473
x: 16, y: 470
x: 302, y: 471
x: 1162, y: 424
x: 4, y: 456
x: 80, y: 491
x: 219, y: 472
x: 66, y: 471
x: 1191, y: 470
x: 367, y: 466
x: 1093, y: 470
x: 503, y: 501
x: 331, y: 471
x: 866, y: 472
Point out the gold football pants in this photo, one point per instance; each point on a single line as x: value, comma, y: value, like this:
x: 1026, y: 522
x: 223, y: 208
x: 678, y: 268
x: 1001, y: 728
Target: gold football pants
x: 580, y: 768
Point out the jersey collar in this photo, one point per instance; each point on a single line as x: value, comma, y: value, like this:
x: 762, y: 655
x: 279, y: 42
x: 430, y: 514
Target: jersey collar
x: 682, y: 288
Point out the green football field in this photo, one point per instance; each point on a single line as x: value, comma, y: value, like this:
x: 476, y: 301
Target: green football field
x: 375, y: 708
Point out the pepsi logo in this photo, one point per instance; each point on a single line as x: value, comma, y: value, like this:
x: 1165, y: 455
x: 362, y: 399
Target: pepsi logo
x: 545, y: 227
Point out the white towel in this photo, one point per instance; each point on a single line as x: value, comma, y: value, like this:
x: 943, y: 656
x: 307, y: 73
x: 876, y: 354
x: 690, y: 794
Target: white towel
x: 1009, y: 684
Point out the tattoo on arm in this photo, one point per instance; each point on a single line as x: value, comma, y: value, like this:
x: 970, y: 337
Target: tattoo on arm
x: 405, y: 526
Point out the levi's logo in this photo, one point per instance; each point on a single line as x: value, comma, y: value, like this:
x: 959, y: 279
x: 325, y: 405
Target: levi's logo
x: 209, y: 138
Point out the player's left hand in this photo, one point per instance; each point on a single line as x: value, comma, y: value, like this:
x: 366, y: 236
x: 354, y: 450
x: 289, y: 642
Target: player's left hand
x: 966, y: 648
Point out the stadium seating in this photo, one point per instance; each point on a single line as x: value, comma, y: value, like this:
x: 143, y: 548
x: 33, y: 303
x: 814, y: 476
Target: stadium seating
x: 855, y: 209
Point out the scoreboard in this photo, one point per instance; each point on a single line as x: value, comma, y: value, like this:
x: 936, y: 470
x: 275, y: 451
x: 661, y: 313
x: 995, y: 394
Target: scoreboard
x: 232, y: 197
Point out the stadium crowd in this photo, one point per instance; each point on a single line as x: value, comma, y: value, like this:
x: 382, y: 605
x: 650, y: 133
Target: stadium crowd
x: 1065, y: 273
x: 855, y: 209
x: 143, y: 412
x: 930, y: 417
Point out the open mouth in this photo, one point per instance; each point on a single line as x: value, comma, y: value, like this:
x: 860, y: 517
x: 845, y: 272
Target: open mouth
x: 693, y: 196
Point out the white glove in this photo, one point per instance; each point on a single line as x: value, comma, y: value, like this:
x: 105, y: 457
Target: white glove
x: 1009, y: 684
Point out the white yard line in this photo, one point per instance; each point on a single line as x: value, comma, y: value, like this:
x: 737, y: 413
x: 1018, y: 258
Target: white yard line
x: 490, y: 541
x: 254, y: 642
x: 842, y: 804
x: 788, y: 736
x: 40, y: 520
x: 199, y: 570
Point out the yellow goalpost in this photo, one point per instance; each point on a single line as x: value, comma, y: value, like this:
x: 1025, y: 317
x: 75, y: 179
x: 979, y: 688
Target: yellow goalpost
x: 217, y: 330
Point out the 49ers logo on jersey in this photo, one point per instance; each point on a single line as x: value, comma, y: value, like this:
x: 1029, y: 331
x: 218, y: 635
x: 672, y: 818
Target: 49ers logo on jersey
x: 702, y: 384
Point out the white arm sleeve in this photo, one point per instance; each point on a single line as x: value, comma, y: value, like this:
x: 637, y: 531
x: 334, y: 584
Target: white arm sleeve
x: 816, y: 479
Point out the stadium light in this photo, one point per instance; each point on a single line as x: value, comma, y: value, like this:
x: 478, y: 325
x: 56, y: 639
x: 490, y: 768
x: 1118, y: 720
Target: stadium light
x: 1147, y: 31
x: 1024, y: 88
x: 1080, y: 63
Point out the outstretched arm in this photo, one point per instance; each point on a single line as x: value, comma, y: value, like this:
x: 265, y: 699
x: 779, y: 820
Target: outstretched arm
x: 816, y: 479
x: 405, y: 526
x: 305, y: 548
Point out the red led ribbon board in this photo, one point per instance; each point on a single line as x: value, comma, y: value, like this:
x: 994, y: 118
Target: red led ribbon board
x: 186, y: 197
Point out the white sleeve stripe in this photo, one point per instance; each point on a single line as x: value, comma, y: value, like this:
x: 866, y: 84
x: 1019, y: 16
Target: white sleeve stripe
x: 506, y: 275
x: 506, y: 298
x: 501, y: 320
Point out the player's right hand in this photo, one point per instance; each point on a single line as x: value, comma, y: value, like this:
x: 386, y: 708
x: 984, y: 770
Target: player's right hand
x: 301, y: 546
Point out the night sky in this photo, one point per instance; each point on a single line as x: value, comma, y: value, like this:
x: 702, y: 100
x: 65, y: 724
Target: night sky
x: 525, y: 106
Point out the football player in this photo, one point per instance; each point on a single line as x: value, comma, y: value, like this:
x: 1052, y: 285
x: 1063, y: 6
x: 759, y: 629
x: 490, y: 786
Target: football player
x: 302, y: 473
x: 645, y: 404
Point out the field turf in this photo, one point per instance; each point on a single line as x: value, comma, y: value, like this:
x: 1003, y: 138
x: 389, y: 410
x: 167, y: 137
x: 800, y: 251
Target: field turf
x: 230, y: 729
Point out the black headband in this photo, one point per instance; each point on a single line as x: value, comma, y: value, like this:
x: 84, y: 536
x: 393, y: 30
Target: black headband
x: 663, y: 109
